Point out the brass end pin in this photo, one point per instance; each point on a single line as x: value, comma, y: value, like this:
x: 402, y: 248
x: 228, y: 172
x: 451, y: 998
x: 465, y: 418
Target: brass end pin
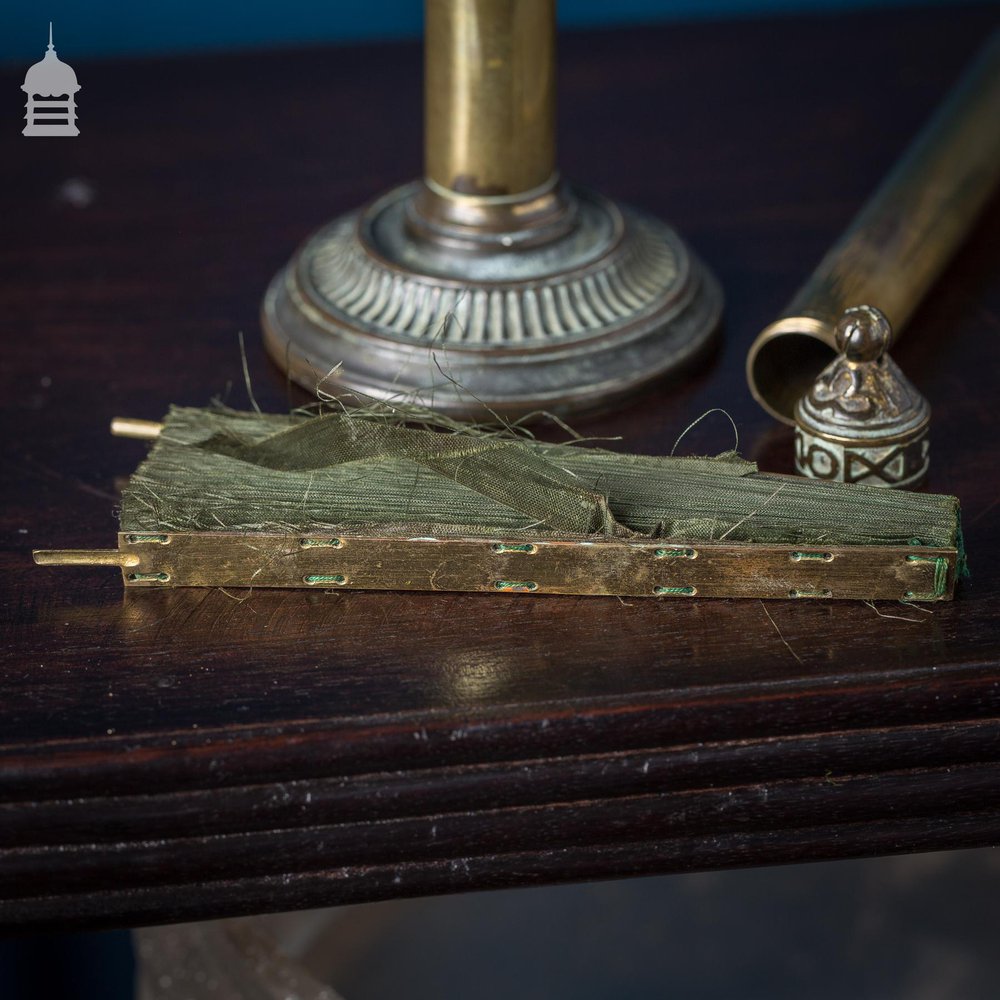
x: 84, y: 557
x: 133, y: 427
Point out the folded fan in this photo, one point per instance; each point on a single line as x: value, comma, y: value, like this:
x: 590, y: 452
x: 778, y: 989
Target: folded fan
x: 368, y: 499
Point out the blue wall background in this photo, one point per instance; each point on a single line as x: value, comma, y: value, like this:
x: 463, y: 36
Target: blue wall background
x: 127, y: 27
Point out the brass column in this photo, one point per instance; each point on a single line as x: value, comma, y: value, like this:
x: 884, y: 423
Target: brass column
x: 489, y: 113
x: 489, y: 92
x: 490, y: 280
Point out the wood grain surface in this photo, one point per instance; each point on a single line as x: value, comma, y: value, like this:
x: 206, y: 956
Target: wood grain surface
x: 198, y: 753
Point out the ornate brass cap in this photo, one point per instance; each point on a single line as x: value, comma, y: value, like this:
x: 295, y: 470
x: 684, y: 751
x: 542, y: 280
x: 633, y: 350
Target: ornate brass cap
x: 863, y: 421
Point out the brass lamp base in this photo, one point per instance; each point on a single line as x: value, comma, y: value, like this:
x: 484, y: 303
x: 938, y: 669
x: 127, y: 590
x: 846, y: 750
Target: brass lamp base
x: 490, y: 281
x: 584, y: 303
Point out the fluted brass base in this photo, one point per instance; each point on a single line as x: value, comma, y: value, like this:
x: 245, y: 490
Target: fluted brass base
x: 605, y: 300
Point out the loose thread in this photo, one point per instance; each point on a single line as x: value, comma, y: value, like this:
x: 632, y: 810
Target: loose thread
x: 246, y: 372
x: 708, y: 413
x: 752, y: 513
x: 788, y: 645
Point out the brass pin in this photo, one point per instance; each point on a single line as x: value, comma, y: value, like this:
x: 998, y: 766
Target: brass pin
x: 84, y: 557
x: 133, y: 427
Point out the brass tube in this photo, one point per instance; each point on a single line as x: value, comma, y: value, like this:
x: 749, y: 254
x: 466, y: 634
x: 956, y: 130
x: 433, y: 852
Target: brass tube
x: 897, y: 245
x: 489, y: 96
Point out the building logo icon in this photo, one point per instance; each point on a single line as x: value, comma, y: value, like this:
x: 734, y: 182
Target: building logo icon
x: 51, y: 88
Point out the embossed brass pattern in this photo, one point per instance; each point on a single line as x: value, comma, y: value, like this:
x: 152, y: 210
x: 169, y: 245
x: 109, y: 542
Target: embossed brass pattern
x: 863, y: 421
x: 572, y: 566
x: 621, y: 280
x: 897, y: 245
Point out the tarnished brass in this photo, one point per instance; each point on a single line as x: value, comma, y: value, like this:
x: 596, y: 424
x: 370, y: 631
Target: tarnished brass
x: 490, y: 281
x: 863, y: 420
x: 897, y: 245
x: 665, y: 570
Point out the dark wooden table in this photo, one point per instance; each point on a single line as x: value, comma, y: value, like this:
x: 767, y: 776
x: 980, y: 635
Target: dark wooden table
x: 186, y: 754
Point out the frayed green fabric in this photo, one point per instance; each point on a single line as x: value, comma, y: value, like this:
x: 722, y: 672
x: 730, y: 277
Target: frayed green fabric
x: 390, y: 469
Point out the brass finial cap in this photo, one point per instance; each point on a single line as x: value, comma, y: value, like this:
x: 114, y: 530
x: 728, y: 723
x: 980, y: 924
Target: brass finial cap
x: 863, y: 420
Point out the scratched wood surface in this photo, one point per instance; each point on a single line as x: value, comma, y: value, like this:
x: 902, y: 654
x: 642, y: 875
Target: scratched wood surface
x: 196, y: 753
